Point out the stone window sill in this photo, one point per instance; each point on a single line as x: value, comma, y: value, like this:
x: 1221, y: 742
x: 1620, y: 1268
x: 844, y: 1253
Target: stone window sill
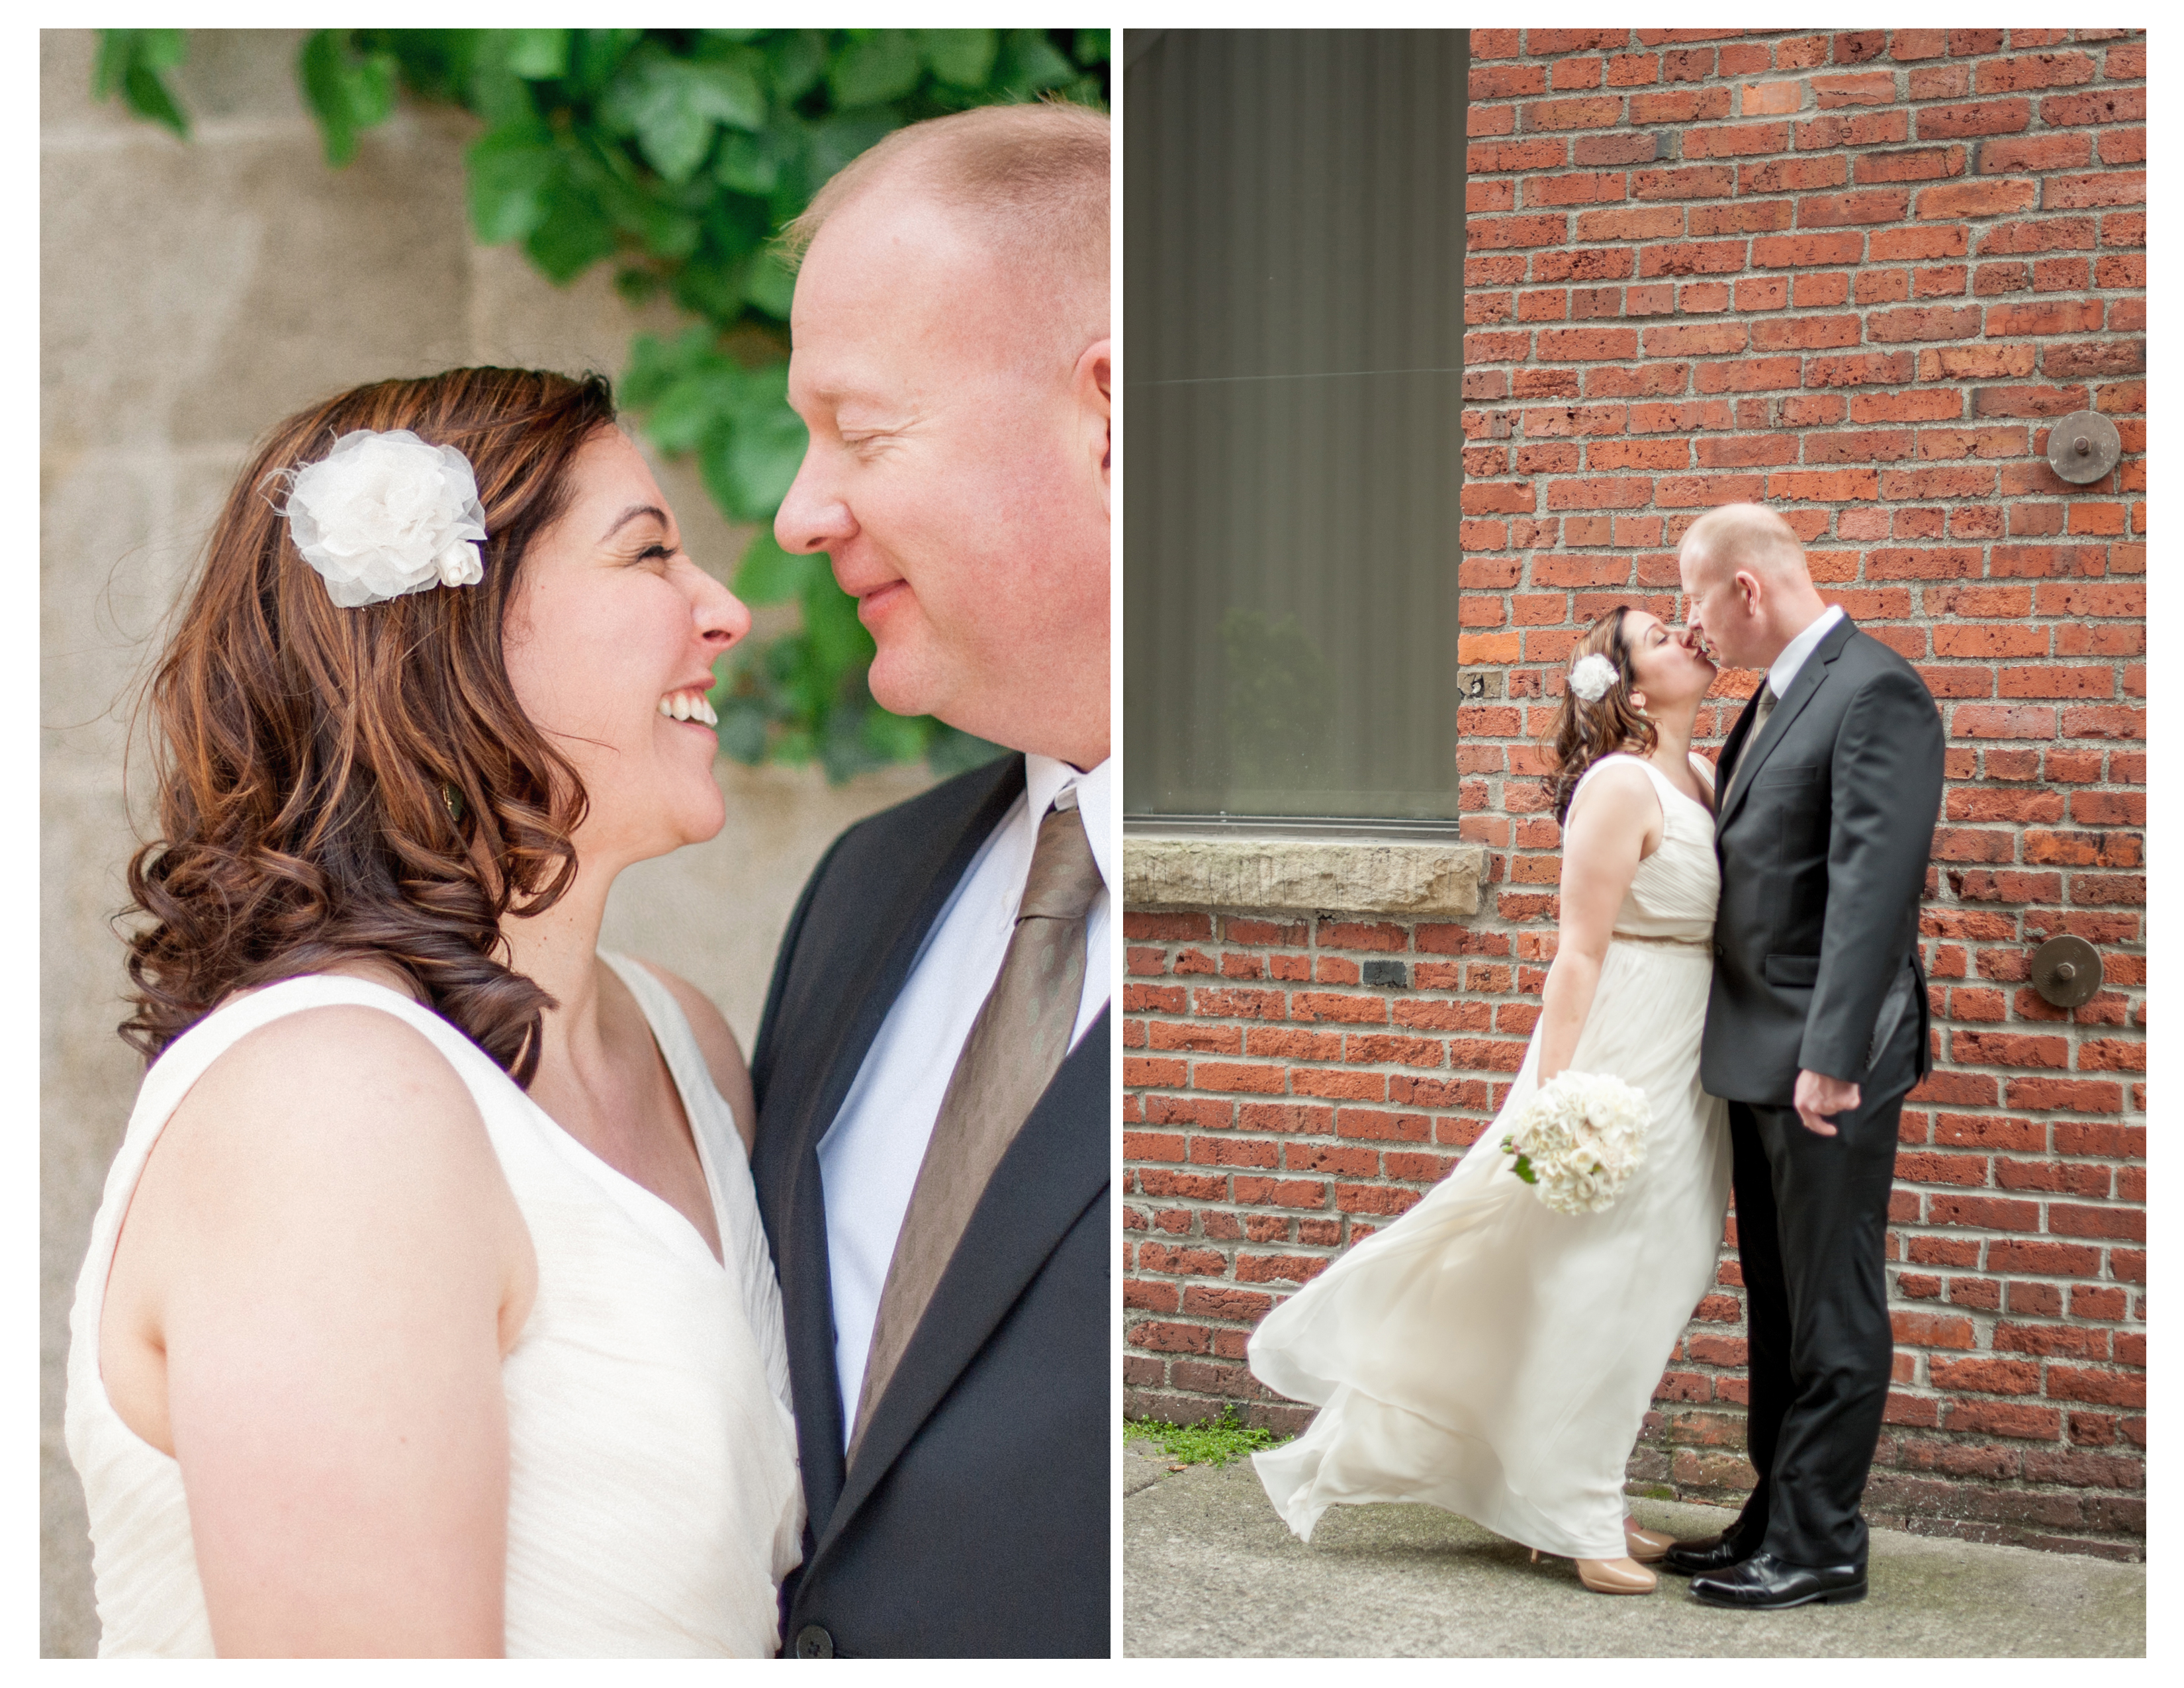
x: 1404, y: 878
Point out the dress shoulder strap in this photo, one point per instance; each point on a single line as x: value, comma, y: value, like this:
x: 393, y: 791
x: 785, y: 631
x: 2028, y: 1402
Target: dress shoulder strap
x: 187, y: 1060
x: 1659, y: 779
x: 671, y: 1025
x: 1585, y: 778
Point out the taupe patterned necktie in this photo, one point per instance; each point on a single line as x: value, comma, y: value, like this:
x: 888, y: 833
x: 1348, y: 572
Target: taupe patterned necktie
x: 1766, y: 708
x: 1008, y: 1059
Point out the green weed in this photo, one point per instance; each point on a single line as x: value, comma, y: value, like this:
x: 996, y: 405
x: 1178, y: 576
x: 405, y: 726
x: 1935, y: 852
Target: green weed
x: 1215, y: 1442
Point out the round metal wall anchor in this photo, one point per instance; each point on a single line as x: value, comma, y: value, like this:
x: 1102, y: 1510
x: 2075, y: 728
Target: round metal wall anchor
x: 2083, y: 447
x: 2066, y: 970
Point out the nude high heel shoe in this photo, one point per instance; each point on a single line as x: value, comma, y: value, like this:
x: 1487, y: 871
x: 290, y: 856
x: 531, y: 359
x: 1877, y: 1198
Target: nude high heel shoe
x: 1616, y: 1576
x: 1646, y: 1547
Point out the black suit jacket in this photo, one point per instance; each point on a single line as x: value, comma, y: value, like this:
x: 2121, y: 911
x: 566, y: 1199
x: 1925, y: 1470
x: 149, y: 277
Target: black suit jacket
x: 1824, y: 836
x: 975, y: 1520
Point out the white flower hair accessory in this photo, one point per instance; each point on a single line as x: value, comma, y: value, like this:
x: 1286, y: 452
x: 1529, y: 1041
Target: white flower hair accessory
x: 1591, y: 676
x: 383, y: 514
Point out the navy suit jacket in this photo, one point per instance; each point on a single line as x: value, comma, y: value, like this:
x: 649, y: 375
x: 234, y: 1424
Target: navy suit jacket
x: 976, y: 1519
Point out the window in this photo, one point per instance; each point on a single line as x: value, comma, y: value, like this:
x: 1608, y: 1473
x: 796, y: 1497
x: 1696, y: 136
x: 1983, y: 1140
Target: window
x: 1293, y: 306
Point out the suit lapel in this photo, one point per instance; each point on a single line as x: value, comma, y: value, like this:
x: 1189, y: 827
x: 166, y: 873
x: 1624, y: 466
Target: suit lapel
x: 1808, y: 681
x: 876, y: 974
x: 1055, y: 1169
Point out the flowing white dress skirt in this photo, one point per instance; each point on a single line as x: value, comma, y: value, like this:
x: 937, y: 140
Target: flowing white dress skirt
x: 1488, y: 1355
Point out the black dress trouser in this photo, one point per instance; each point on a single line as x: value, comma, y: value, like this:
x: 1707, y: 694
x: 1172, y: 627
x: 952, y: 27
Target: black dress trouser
x: 1812, y: 1219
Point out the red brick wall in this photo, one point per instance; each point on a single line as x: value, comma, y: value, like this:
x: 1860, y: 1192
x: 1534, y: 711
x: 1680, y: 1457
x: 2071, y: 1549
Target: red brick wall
x: 1855, y: 276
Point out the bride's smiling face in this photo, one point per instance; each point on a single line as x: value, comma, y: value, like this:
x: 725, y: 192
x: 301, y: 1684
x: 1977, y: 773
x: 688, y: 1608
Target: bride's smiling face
x: 1667, y: 667
x: 610, y: 637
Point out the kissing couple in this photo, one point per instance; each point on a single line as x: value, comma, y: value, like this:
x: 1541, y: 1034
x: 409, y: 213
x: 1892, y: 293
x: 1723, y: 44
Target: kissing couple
x: 1741, y: 946
x: 457, y: 1289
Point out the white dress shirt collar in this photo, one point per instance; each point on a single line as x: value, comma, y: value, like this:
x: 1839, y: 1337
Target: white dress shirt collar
x: 1784, y: 669
x: 1046, y: 778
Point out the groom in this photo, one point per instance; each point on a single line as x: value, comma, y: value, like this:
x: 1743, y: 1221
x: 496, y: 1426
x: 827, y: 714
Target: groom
x: 1829, y: 788
x: 932, y: 1071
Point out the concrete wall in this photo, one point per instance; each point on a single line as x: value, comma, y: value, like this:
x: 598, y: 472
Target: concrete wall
x: 193, y: 294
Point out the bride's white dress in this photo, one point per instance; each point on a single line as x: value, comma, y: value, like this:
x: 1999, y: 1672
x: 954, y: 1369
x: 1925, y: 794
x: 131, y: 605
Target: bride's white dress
x: 1489, y: 1355
x: 653, y: 1504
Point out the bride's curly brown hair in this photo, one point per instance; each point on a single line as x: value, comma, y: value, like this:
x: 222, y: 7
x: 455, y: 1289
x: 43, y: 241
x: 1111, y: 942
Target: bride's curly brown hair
x: 336, y: 784
x: 1583, y: 732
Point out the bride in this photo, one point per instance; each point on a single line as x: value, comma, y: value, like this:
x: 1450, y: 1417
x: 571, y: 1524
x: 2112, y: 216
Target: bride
x: 1484, y: 1353
x: 428, y: 1311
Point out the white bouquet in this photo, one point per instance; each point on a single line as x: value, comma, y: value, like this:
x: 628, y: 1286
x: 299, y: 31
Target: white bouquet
x: 1577, y: 1139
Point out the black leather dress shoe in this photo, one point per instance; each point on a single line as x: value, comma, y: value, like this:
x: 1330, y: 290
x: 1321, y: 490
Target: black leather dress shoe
x: 1705, y: 1553
x: 1764, y: 1583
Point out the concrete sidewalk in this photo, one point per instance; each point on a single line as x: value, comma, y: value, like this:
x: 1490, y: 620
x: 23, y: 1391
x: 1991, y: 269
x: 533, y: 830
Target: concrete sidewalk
x: 1210, y: 1571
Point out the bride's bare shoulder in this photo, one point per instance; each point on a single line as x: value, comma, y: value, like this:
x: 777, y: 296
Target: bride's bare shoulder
x: 334, y: 1097
x: 1622, y: 773
x: 336, y: 1140
x: 1616, y: 793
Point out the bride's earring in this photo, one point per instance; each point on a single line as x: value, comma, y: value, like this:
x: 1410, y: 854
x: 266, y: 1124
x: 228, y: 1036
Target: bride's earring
x: 1638, y: 703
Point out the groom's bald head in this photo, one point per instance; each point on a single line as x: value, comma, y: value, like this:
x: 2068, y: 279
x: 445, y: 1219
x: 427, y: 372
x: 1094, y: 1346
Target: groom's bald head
x: 1746, y: 590
x: 1028, y: 183
x: 1742, y: 537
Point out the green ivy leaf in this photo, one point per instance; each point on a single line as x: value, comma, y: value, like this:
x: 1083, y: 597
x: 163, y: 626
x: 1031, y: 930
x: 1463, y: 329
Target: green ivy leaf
x: 873, y: 66
x: 512, y: 170
x: 538, y: 55
x: 962, y: 59
x: 769, y: 575
x: 795, y: 60
x: 574, y: 234
x: 771, y: 284
x: 714, y: 291
x: 662, y: 228
x: 638, y: 285
x: 348, y: 92
x: 747, y: 164
x: 133, y: 63
x: 673, y: 106
x: 596, y: 55
x: 1030, y: 64
x: 1090, y: 47
x: 839, y: 641
x: 765, y: 449
x: 699, y: 406
x: 494, y: 88
x: 894, y: 737
x: 148, y: 97
x: 655, y: 365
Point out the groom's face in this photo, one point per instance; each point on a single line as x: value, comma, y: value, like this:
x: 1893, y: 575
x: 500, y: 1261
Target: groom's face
x: 1717, y: 612
x: 954, y: 475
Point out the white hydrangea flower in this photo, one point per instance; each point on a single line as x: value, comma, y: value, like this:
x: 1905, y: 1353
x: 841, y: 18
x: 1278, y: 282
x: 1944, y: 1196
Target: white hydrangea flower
x: 1591, y: 676
x: 383, y: 514
x: 1577, y: 1139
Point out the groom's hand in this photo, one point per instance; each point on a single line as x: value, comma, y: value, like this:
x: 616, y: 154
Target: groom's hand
x: 1818, y: 1096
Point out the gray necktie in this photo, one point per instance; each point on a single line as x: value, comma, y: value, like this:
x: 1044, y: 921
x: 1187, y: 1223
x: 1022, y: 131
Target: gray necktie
x: 1014, y: 1047
x: 1758, y: 721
